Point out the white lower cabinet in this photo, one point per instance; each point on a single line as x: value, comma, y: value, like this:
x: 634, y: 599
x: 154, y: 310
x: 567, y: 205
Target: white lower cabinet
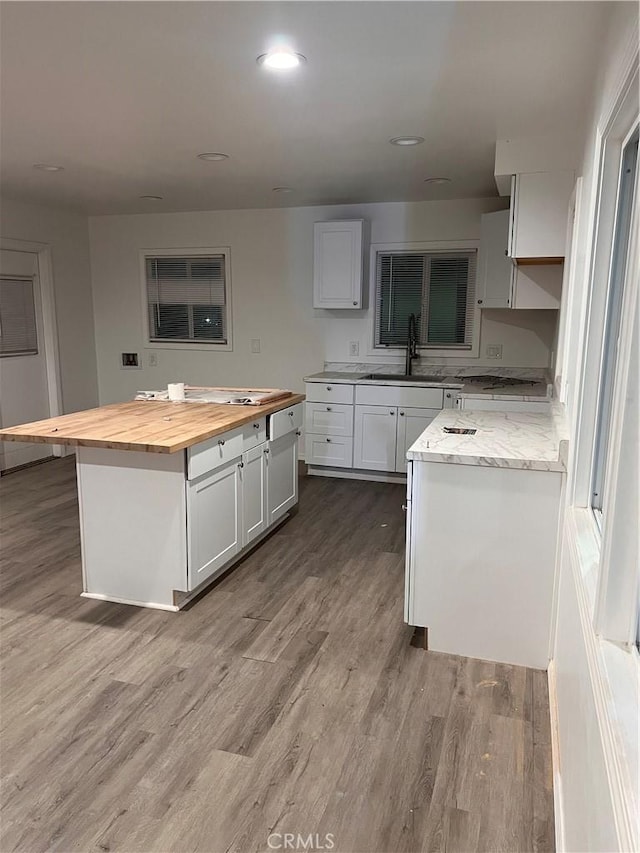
x: 282, y: 476
x: 411, y: 424
x: 253, y: 474
x: 214, y: 530
x: 375, y: 438
x: 487, y: 594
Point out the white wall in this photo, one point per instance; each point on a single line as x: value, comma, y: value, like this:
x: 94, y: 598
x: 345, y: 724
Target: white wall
x: 597, y: 749
x: 68, y: 236
x: 272, y: 275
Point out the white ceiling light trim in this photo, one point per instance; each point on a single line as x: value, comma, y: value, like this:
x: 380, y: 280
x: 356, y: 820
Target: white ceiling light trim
x: 151, y: 197
x: 407, y: 140
x: 282, y: 190
x: 281, y: 59
x: 437, y: 180
x: 213, y: 155
x: 48, y: 167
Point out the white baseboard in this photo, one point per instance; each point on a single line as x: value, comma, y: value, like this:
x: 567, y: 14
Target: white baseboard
x: 558, y: 801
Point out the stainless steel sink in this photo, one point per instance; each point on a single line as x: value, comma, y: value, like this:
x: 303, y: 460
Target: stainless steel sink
x: 402, y: 377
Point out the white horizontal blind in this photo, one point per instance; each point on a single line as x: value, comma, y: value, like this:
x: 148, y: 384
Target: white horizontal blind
x: 187, y: 298
x: 18, y: 332
x: 438, y: 287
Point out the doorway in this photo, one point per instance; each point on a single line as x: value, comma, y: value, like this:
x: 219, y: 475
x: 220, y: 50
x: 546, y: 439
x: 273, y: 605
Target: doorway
x: 24, y: 391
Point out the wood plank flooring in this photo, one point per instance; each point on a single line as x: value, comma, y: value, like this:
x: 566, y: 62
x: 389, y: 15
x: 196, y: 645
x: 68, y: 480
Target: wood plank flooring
x: 287, y: 699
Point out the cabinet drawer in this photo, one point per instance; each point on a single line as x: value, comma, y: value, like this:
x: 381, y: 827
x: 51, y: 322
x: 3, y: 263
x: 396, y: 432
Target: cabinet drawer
x: 284, y: 421
x: 399, y: 395
x: 336, y: 451
x: 213, y: 453
x: 329, y: 419
x: 254, y: 433
x: 326, y: 392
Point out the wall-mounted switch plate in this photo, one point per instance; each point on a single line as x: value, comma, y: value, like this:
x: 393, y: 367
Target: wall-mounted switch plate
x: 494, y: 351
x: 153, y: 359
x: 130, y: 360
x: 255, y: 345
x: 354, y: 347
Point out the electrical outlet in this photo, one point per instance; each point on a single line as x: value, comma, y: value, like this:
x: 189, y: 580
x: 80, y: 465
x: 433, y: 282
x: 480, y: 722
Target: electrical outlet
x: 354, y: 347
x: 130, y: 360
x: 255, y: 345
x: 153, y: 359
x: 494, y: 351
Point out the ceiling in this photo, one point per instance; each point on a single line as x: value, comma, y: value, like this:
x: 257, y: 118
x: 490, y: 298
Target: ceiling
x: 124, y: 95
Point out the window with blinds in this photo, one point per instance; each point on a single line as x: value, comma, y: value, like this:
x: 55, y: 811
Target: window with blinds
x: 18, y: 331
x: 438, y: 287
x: 187, y: 298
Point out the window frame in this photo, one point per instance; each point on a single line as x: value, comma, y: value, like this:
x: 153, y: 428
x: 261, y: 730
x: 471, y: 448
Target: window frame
x: 434, y: 247
x: 611, y: 596
x: 195, y: 345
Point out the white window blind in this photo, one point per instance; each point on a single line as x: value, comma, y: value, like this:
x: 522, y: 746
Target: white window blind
x: 187, y: 298
x: 438, y: 287
x: 18, y: 332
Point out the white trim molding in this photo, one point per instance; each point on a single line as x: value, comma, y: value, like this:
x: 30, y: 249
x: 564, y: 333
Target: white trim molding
x: 49, y: 322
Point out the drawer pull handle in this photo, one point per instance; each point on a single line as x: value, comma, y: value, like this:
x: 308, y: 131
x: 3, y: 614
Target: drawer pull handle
x: 266, y: 450
x: 256, y: 426
x: 221, y: 442
x: 404, y: 507
x: 402, y: 413
x: 290, y: 414
x: 298, y: 432
x: 240, y: 464
x: 392, y: 412
x: 328, y: 387
x: 328, y: 408
x: 329, y: 440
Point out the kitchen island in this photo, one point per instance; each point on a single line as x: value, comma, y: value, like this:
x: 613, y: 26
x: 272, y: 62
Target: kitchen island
x: 483, y: 502
x: 171, y: 495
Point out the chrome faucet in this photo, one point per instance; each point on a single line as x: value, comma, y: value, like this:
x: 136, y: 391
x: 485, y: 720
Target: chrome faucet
x: 412, y: 344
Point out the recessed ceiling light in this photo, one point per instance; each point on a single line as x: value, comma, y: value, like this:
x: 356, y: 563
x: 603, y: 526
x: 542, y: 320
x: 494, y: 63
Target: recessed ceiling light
x: 214, y: 155
x: 282, y: 190
x: 407, y: 140
x: 437, y: 180
x: 48, y: 167
x: 151, y: 197
x: 281, y: 59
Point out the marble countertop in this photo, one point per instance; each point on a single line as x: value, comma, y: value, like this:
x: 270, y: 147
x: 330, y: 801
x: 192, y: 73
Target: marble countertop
x: 538, y: 391
x: 503, y: 440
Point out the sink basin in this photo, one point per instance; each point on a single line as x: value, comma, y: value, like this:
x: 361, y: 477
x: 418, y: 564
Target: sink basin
x: 401, y: 377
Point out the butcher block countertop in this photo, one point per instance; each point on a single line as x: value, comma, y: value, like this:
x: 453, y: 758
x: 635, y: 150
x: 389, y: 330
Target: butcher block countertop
x: 150, y: 426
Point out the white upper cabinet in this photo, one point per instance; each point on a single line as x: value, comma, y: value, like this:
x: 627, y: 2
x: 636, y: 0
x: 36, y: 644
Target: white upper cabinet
x: 338, y: 264
x: 505, y: 284
x: 495, y: 268
x: 539, y: 205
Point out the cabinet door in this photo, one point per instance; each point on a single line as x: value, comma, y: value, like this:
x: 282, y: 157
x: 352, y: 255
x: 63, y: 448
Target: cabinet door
x: 495, y: 268
x: 214, y: 532
x: 539, y: 205
x: 282, y: 476
x: 253, y: 474
x: 337, y: 264
x: 411, y: 424
x: 375, y: 438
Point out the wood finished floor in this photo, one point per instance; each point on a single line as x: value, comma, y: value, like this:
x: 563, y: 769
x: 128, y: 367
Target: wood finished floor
x: 286, y: 699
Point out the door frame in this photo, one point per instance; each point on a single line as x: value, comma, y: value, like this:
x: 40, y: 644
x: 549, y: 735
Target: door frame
x: 49, y: 326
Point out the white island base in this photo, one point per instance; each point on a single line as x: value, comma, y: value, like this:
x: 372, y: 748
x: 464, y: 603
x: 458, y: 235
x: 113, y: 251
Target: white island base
x: 157, y: 528
x: 481, y: 555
